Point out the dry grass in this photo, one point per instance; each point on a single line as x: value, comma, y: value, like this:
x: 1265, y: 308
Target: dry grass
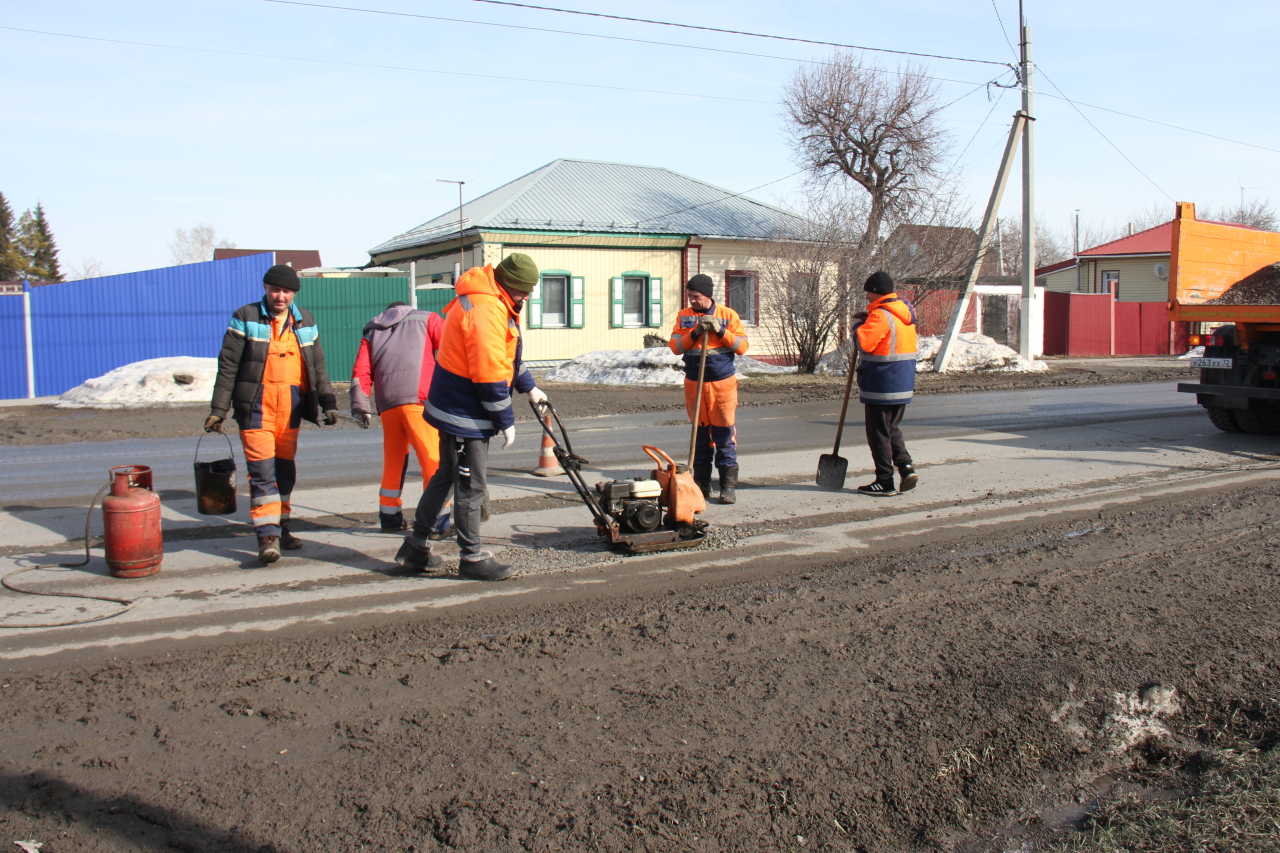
x: 1234, y: 806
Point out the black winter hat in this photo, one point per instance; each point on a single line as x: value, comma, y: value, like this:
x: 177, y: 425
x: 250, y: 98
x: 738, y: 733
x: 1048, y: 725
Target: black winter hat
x: 701, y: 284
x: 282, y: 275
x: 879, y: 283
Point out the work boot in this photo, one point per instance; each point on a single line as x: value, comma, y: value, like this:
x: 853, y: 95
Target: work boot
x: 268, y: 549
x: 909, y: 478
x: 487, y: 569
x: 392, y: 522
x: 443, y: 528
x: 702, y: 476
x: 417, y: 558
x: 879, y: 489
x: 729, y: 484
x: 288, y: 541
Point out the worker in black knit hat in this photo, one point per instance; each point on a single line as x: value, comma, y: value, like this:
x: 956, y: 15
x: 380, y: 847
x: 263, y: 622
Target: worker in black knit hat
x: 271, y: 375
x: 716, y: 441
x: 886, y: 335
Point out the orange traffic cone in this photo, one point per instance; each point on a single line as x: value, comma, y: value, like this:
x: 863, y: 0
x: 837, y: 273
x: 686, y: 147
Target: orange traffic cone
x: 548, y: 465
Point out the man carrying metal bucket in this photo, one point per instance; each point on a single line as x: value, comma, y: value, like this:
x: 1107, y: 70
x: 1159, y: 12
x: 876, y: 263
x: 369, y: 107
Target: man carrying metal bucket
x: 271, y: 375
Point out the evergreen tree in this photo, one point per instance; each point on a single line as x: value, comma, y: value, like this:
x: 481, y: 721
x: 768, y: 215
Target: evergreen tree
x: 36, y: 244
x: 11, y: 263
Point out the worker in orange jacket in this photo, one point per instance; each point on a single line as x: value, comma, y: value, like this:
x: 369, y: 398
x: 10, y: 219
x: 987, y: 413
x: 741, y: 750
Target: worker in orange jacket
x: 716, y: 439
x: 886, y: 335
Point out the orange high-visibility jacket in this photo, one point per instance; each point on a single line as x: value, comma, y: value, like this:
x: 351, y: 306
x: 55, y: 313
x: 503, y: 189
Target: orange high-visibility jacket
x: 722, y: 348
x: 479, y: 360
x: 887, y: 369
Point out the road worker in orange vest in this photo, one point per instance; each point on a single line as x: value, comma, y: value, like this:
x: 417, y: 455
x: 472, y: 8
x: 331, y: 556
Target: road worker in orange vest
x: 886, y: 335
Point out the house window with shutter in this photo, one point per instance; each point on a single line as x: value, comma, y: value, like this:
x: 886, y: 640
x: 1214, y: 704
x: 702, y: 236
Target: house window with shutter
x: 742, y: 291
x: 558, y: 301
x: 635, y: 300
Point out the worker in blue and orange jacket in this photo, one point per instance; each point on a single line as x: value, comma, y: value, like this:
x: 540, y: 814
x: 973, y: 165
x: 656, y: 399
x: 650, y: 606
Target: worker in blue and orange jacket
x: 478, y: 367
x: 886, y: 337
x: 716, y: 436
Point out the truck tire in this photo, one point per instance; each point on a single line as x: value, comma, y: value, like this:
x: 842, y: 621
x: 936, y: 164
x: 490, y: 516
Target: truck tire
x: 1224, y: 419
x: 1256, y: 423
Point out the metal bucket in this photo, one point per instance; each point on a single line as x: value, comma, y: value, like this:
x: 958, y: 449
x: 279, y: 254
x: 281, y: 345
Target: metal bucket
x: 216, y: 483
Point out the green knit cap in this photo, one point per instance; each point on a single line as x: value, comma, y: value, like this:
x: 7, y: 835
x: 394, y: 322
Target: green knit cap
x: 517, y: 272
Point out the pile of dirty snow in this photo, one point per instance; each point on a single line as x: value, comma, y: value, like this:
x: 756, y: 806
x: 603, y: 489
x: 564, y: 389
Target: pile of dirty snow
x: 1194, y: 352
x: 972, y: 353
x: 651, y: 366
x: 155, y: 381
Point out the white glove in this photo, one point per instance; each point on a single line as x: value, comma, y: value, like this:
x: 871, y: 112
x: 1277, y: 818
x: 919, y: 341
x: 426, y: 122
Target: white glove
x: 537, y: 395
x: 508, y: 436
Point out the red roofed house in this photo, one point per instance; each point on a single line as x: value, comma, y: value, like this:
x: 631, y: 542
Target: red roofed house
x: 1111, y: 299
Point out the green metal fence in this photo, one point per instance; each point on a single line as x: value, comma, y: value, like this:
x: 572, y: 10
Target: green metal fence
x: 342, y: 306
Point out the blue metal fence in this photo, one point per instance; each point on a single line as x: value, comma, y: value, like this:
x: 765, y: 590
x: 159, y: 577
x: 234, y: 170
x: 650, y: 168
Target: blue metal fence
x: 13, y: 348
x: 83, y: 329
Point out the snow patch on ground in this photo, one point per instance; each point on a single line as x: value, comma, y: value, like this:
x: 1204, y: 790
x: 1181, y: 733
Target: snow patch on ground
x: 973, y: 352
x: 155, y: 381
x: 651, y: 366
x: 1194, y: 352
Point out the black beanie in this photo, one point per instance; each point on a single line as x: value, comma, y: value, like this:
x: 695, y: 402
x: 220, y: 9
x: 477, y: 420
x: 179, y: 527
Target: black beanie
x: 701, y: 284
x: 879, y: 283
x: 282, y: 275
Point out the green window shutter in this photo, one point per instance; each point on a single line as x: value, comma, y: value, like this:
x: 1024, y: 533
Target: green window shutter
x: 615, y: 303
x: 577, y: 302
x: 655, y: 302
x: 535, y: 306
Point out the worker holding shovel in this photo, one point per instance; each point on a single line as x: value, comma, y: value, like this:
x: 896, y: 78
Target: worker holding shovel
x: 710, y: 337
x: 886, y: 337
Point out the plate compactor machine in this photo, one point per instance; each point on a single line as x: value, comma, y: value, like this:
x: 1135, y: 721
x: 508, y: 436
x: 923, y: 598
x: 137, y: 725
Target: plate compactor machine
x: 641, y: 515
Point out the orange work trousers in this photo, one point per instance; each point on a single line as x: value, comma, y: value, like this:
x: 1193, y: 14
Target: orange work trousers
x: 269, y: 451
x: 402, y: 428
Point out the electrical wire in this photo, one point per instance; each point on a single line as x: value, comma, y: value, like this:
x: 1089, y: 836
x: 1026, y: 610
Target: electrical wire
x: 738, y: 32
x: 1107, y: 140
x: 315, y: 61
x: 1004, y: 32
x: 595, y: 36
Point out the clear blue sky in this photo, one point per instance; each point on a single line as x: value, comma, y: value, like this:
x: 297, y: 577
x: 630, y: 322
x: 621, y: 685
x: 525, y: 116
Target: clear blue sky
x: 125, y: 143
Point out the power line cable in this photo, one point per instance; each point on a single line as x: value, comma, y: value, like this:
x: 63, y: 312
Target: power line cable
x: 383, y: 67
x: 739, y: 32
x: 590, y: 35
x: 1004, y: 32
x: 1106, y: 139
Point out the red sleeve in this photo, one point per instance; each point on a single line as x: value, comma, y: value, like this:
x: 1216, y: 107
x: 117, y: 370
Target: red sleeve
x: 435, y: 328
x: 361, y: 380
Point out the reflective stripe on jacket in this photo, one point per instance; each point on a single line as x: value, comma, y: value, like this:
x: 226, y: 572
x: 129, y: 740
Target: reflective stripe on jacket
x: 243, y: 359
x: 722, y: 349
x: 479, y: 360
x: 396, y: 358
x: 887, y: 339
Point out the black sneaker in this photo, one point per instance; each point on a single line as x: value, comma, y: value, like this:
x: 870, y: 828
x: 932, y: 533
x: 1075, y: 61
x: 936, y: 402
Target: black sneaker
x: 416, y: 558
x: 487, y: 569
x: 909, y: 478
x: 878, y: 489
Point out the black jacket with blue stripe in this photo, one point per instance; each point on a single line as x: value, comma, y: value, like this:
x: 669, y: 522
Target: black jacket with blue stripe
x: 244, y: 358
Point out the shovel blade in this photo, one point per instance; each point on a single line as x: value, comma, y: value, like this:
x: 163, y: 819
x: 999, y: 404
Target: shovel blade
x: 831, y: 471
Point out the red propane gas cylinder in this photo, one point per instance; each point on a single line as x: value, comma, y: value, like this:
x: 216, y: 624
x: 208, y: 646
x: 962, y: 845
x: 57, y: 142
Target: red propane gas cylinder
x: 131, y: 524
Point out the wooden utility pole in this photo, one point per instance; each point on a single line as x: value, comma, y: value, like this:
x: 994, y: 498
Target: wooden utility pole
x: 1028, y: 193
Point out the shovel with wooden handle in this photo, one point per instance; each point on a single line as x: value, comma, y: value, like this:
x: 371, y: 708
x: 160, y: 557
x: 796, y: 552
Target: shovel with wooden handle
x: 832, y: 467
x: 697, y: 400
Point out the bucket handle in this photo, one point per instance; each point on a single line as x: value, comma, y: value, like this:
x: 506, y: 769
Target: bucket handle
x: 230, y: 447
x: 655, y: 452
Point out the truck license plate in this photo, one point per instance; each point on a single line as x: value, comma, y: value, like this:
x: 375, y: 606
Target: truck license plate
x: 1213, y: 363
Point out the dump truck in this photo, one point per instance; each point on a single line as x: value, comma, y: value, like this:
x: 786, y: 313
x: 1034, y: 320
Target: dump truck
x: 1225, y: 280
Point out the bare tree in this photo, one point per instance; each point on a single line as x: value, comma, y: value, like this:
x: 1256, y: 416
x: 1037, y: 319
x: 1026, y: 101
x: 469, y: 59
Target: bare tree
x: 196, y: 245
x: 878, y: 129
x: 1052, y: 246
x: 1254, y: 213
x: 88, y: 268
x: 932, y: 248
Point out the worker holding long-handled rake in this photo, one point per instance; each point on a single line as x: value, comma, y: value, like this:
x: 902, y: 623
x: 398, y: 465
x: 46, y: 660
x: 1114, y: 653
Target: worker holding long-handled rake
x: 711, y: 370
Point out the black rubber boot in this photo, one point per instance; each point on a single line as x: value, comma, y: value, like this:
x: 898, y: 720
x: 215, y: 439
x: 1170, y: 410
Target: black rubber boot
x: 417, y: 558
x: 288, y: 541
x: 487, y: 569
x: 702, y: 476
x: 729, y: 485
x: 392, y: 522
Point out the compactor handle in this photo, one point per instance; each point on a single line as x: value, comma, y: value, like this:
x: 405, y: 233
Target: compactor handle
x: 655, y: 452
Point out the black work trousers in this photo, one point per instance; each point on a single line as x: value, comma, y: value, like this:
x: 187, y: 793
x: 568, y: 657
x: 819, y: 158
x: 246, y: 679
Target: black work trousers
x: 884, y: 437
x: 462, y: 471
